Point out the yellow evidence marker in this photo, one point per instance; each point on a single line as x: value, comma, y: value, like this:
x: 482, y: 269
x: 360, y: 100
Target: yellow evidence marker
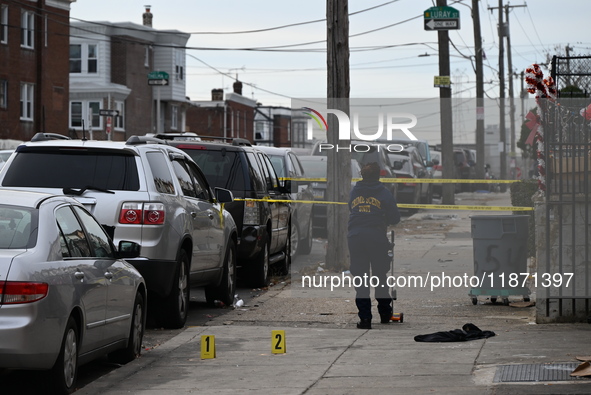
x: 207, y: 347
x: 278, y: 342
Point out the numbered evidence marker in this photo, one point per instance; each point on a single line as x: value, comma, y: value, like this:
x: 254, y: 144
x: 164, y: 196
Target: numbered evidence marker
x: 278, y: 342
x: 207, y: 347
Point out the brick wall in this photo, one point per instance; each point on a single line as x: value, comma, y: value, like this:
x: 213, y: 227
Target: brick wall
x: 45, y: 66
x: 128, y: 68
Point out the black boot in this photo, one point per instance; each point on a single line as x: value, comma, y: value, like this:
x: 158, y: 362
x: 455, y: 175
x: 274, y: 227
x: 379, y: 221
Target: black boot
x: 364, y: 323
x: 385, y: 318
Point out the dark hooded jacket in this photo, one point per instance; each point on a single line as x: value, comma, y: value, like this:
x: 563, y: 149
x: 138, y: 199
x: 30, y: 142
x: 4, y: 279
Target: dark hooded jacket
x: 372, y: 208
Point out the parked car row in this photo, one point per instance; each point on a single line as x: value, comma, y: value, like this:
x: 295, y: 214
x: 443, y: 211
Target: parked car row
x: 464, y: 168
x: 263, y: 224
x: 67, y: 203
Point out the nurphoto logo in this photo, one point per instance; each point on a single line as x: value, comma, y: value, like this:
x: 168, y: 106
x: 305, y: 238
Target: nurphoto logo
x: 391, y: 121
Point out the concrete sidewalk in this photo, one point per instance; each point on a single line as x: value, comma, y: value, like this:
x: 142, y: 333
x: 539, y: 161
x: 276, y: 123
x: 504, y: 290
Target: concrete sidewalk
x: 326, y: 354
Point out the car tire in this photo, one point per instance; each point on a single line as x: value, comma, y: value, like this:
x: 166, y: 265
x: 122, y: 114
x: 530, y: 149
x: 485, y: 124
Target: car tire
x: 428, y: 198
x: 64, y: 372
x: 259, y: 269
x: 136, y: 334
x: 294, y: 238
x: 284, y: 266
x: 306, y: 245
x: 176, y: 306
x: 227, y: 288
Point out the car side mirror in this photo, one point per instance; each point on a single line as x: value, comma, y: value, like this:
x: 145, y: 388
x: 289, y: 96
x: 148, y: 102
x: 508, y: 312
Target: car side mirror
x: 288, y: 184
x: 223, y: 195
x: 283, y: 189
x: 431, y: 163
x: 128, y: 249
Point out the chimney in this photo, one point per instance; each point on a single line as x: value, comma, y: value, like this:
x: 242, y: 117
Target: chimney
x: 147, y: 16
x: 237, y: 87
x: 217, y: 95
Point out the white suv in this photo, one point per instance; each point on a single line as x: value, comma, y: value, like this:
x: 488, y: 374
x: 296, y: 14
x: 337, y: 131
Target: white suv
x: 145, y: 191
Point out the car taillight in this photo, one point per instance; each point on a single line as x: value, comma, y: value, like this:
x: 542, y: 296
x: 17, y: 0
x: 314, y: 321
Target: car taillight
x: 17, y: 292
x: 251, y: 213
x: 153, y: 213
x: 142, y: 213
x: 383, y: 173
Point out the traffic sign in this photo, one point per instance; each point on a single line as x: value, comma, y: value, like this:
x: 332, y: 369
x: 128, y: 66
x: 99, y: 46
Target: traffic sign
x: 158, y: 78
x: 442, y: 18
x: 157, y: 82
x: 109, y: 113
x: 441, y: 81
x: 158, y: 75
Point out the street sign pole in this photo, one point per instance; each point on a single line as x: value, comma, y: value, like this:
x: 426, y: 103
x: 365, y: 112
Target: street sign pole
x: 158, y: 109
x: 158, y: 79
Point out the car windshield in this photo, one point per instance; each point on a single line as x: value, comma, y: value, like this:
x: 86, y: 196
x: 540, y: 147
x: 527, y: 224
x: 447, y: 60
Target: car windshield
x: 76, y: 168
x: 278, y: 165
x: 223, y: 169
x: 15, y: 226
x: 317, y: 168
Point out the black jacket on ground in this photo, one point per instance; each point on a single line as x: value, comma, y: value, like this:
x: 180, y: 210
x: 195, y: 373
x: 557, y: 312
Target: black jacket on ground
x: 468, y: 332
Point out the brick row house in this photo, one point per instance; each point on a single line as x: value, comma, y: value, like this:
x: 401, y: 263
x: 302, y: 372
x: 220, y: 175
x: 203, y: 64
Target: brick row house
x: 34, y: 85
x: 222, y: 117
x: 92, y: 79
x: 110, y: 66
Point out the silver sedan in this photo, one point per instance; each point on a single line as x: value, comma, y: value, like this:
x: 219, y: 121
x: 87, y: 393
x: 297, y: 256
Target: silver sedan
x: 66, y: 295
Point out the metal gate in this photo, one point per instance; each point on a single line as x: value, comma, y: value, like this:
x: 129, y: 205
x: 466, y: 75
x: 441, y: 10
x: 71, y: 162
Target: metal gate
x: 567, y: 148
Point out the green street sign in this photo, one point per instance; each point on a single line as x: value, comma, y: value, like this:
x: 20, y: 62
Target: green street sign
x: 158, y: 75
x: 441, y: 18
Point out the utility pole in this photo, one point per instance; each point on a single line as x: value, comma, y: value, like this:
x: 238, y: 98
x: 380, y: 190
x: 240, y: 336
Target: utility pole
x: 479, y: 92
x: 338, y: 163
x: 503, y: 137
x: 504, y: 32
x: 445, y: 109
x: 510, y: 74
x: 511, y: 101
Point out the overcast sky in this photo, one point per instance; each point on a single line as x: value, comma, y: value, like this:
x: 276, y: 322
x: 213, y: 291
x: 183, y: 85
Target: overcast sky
x: 384, y: 63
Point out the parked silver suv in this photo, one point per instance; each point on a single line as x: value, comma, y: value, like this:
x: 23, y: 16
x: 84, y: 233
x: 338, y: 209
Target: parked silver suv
x: 148, y: 192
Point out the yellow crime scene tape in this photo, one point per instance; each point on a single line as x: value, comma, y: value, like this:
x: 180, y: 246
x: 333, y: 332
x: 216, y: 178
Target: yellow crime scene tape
x: 416, y: 206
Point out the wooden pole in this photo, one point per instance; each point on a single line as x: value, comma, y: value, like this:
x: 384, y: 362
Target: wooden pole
x: 339, y: 162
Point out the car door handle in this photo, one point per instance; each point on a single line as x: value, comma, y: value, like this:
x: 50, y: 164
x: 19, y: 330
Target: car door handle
x: 79, y: 275
x: 108, y: 275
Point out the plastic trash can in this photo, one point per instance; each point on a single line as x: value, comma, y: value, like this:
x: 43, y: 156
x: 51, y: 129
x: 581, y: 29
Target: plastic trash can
x: 500, y: 256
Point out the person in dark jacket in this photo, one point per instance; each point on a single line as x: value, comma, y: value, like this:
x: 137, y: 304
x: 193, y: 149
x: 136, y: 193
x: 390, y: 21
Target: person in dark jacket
x: 372, y: 208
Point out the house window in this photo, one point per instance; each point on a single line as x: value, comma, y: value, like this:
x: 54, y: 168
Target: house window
x: 75, y: 58
x: 147, y: 57
x: 84, y: 58
x: 179, y: 68
x: 27, y: 29
x: 85, y: 114
x: 27, y: 97
x: 120, y: 119
x: 4, y: 24
x: 91, y: 61
x: 3, y: 94
x: 174, y: 110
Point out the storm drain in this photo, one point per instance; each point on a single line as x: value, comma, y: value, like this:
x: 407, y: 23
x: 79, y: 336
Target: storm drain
x: 536, y: 372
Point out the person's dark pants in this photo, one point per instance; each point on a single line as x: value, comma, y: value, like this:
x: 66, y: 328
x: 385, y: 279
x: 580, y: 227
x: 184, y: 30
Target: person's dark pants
x: 369, y: 257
